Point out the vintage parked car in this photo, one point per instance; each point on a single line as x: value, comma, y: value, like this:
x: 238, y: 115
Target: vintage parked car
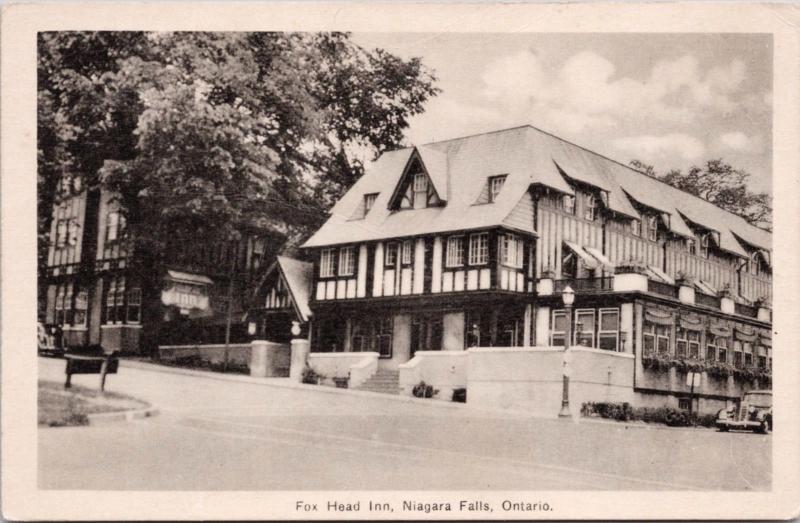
x: 754, y: 413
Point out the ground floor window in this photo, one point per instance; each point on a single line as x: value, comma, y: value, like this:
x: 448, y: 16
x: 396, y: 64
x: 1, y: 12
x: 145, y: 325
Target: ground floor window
x: 748, y: 354
x: 687, y: 343
x: 584, y: 327
x: 81, y: 305
x: 596, y: 328
x: 134, y: 305
x: 656, y: 337
x: 737, y: 353
x: 509, y: 331
x: 608, y: 330
x: 372, y: 335
x: 478, y: 329
x: 426, y: 332
x: 762, y: 357
x: 114, y: 303
x: 558, y: 328
x: 330, y: 334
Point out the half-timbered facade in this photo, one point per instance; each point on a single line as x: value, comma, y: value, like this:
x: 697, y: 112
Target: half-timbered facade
x: 469, y: 242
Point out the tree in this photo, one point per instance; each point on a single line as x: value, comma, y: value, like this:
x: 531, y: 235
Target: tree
x: 721, y: 184
x: 202, y: 135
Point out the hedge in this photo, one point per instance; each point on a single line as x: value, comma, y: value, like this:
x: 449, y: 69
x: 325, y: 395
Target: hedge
x: 665, y: 415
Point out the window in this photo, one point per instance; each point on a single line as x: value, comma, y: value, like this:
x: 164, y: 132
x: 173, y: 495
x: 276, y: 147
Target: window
x: 495, y: 185
x: 478, y: 329
x: 59, y: 305
x: 426, y: 332
x: 684, y: 403
x: 455, y: 251
x: 754, y: 265
x: 591, y: 207
x: 347, y: 261
x: 327, y: 263
x: 636, y: 227
x: 420, y: 182
x: 61, y: 233
x: 569, y: 204
x: 479, y: 248
x: 716, y: 344
x: 694, y: 343
x: 115, y: 299
x: 558, y: 328
x: 681, y: 343
x: 748, y: 354
x: 584, y: 328
x: 134, y: 305
x: 691, y: 246
x: 391, y: 254
x: 652, y: 228
x: 512, y: 251
x: 372, y: 335
x: 81, y: 305
x: 369, y: 201
x: 704, y: 246
x: 656, y: 338
x: 115, y: 226
x: 73, y: 231
x: 608, y: 331
x: 762, y: 357
x: 737, y: 353
x: 509, y: 331
x: 407, y: 252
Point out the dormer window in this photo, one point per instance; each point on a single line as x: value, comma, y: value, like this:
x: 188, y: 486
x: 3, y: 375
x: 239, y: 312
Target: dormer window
x: 652, y: 228
x: 754, y: 264
x: 691, y: 246
x: 636, y: 227
x: 420, y: 183
x: 369, y: 201
x: 569, y: 204
x: 704, y: 246
x: 495, y: 186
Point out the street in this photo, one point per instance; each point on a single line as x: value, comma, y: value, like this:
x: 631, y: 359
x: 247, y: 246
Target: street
x: 216, y: 434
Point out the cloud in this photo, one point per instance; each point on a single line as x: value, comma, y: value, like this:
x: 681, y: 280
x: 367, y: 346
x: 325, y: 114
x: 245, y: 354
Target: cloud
x: 652, y: 146
x: 446, y: 118
x: 585, y: 92
x: 741, y: 142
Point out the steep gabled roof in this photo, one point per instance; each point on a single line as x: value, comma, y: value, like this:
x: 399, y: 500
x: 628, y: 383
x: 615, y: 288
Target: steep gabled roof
x: 297, y: 275
x: 459, y: 169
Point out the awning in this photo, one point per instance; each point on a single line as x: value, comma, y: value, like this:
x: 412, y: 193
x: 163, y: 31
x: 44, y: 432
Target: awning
x: 765, y: 341
x: 588, y: 260
x: 663, y: 276
x: 186, y: 277
x: 722, y: 331
x: 744, y: 335
x: 692, y: 323
x: 601, y: 258
x: 705, y: 288
x: 658, y: 317
x: 767, y: 258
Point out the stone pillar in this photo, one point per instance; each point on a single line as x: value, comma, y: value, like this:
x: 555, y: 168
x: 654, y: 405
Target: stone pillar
x: 544, y: 287
x: 726, y: 305
x: 686, y: 294
x: 764, y: 314
x: 265, y: 357
x: 300, y: 350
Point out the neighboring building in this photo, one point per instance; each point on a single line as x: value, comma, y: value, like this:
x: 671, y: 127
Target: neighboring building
x: 95, y: 296
x: 443, y: 247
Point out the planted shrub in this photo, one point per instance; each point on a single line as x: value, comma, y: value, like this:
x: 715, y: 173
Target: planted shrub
x: 664, y: 415
x: 341, y: 383
x: 423, y: 390
x: 311, y: 376
x: 460, y: 395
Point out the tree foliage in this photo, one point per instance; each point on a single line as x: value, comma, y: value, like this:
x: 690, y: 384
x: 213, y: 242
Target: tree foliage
x: 721, y: 184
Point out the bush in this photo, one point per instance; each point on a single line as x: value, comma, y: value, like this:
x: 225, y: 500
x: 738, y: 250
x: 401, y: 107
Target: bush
x: 460, y: 395
x: 341, y: 383
x: 423, y: 390
x: 665, y: 415
x: 311, y: 376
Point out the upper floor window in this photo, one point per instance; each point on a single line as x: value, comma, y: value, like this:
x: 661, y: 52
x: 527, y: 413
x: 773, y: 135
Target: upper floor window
x: 652, y: 228
x: 479, y: 248
x: 691, y: 246
x: 369, y: 201
x: 704, y: 246
x: 115, y: 226
x: 755, y: 265
x: 61, y: 233
x: 327, y: 263
x: 407, y: 252
x: 512, y: 251
x: 636, y: 227
x: 420, y: 182
x: 455, y: 251
x: 569, y: 204
x: 590, y: 213
x: 347, y: 261
x: 495, y: 186
x: 391, y: 254
x: 134, y: 305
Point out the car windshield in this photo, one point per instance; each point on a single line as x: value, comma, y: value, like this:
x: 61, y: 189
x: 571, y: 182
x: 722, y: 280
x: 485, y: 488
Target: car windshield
x: 759, y: 400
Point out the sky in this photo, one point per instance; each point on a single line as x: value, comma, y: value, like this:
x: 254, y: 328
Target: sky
x: 670, y: 100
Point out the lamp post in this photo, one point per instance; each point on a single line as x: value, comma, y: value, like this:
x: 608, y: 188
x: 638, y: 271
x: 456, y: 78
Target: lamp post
x: 568, y: 297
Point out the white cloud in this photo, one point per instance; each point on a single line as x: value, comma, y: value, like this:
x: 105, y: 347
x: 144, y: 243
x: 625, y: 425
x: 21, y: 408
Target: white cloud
x: 652, y: 146
x: 585, y: 93
x: 741, y: 142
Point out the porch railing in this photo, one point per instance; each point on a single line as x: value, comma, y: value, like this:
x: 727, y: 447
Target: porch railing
x: 707, y: 300
x: 585, y: 284
x: 664, y: 289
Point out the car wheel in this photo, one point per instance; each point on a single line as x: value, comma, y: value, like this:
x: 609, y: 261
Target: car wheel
x: 723, y: 429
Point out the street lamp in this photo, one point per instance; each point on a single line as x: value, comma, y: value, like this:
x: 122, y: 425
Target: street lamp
x: 568, y: 297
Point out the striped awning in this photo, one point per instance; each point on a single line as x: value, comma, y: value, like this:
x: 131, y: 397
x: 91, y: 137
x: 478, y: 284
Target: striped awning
x: 658, y: 317
x: 661, y: 275
x: 601, y: 258
x: 705, y: 287
x: 588, y: 260
x: 765, y: 340
x: 744, y: 334
x: 692, y: 323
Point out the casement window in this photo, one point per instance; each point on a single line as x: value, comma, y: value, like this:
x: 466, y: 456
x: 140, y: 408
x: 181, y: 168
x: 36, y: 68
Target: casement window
x: 762, y: 357
x: 512, y: 251
x: 704, y: 246
x: 584, y: 328
x: 327, y: 263
x: 608, y: 330
x: 681, y: 343
x: 115, y: 301
x: 636, y: 227
x: 569, y: 204
x: 60, y: 305
x: 691, y: 246
x: 495, y: 186
x: 369, y: 201
x: 716, y: 345
x: 479, y: 248
x: 590, y: 212
x: 81, y: 305
x: 455, y: 251
x: 656, y: 338
x: 748, y: 354
x: 390, y: 258
x: 134, y: 308
x: 347, y: 261
x: 112, y: 226
x: 558, y: 328
x: 408, y: 250
x: 694, y: 342
x: 754, y: 264
x: 652, y: 228
x: 372, y: 335
x: 61, y: 233
x: 420, y: 183
x: 427, y: 332
x: 737, y: 354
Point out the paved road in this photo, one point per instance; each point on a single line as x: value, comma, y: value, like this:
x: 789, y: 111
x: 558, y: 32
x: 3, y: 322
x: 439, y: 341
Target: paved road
x: 226, y: 435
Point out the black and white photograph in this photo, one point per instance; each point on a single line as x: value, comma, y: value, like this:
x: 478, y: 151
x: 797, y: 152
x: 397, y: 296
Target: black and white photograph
x: 406, y: 272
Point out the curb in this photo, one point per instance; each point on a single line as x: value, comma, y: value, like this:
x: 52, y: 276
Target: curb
x: 103, y: 418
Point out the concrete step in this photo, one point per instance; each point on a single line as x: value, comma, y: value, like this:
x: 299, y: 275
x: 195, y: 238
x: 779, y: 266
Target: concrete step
x: 384, y: 381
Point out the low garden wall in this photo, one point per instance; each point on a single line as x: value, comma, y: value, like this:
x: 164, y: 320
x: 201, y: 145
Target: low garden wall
x: 530, y: 379
x: 444, y: 370
x: 212, y: 356
x: 358, y: 366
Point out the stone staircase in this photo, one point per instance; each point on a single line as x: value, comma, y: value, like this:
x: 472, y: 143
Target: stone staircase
x: 385, y: 381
